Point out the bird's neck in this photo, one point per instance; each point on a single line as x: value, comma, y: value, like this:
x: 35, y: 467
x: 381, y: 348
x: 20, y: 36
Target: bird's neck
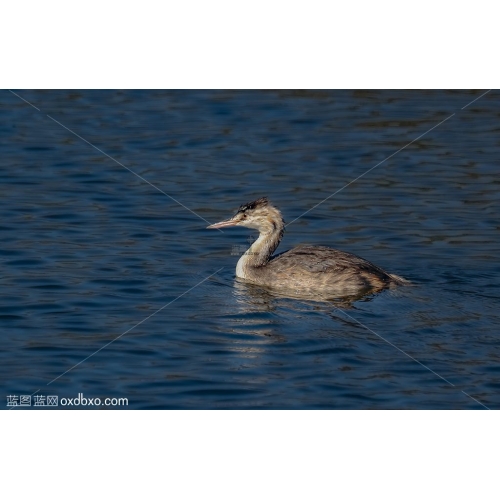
x: 260, y: 252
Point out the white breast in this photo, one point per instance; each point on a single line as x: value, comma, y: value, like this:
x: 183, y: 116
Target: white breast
x: 240, y: 267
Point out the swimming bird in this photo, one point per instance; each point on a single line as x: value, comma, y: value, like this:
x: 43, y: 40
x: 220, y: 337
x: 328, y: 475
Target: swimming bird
x: 305, y: 270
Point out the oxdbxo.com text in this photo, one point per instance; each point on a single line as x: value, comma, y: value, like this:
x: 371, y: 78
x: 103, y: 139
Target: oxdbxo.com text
x: 80, y: 400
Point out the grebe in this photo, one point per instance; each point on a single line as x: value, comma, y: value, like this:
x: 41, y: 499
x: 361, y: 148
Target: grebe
x: 305, y: 270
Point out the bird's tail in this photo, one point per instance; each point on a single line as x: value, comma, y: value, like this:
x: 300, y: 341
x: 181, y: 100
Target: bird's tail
x: 398, y: 280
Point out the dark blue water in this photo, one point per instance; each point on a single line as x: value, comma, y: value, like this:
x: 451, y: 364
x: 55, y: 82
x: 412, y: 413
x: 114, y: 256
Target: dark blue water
x: 89, y: 250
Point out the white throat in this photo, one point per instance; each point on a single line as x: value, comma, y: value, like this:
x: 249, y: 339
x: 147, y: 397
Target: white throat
x: 250, y: 256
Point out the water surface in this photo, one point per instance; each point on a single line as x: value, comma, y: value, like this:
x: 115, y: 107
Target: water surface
x: 89, y: 250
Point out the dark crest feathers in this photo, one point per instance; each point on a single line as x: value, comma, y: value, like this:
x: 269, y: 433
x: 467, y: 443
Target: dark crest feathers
x: 261, y: 202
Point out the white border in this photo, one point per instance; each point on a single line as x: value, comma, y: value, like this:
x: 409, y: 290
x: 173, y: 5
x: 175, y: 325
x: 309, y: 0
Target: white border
x: 259, y: 44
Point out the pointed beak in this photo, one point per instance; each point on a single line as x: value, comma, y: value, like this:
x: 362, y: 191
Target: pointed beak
x: 224, y: 223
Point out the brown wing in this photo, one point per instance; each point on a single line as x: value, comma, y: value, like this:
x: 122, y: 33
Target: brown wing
x: 319, y: 259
